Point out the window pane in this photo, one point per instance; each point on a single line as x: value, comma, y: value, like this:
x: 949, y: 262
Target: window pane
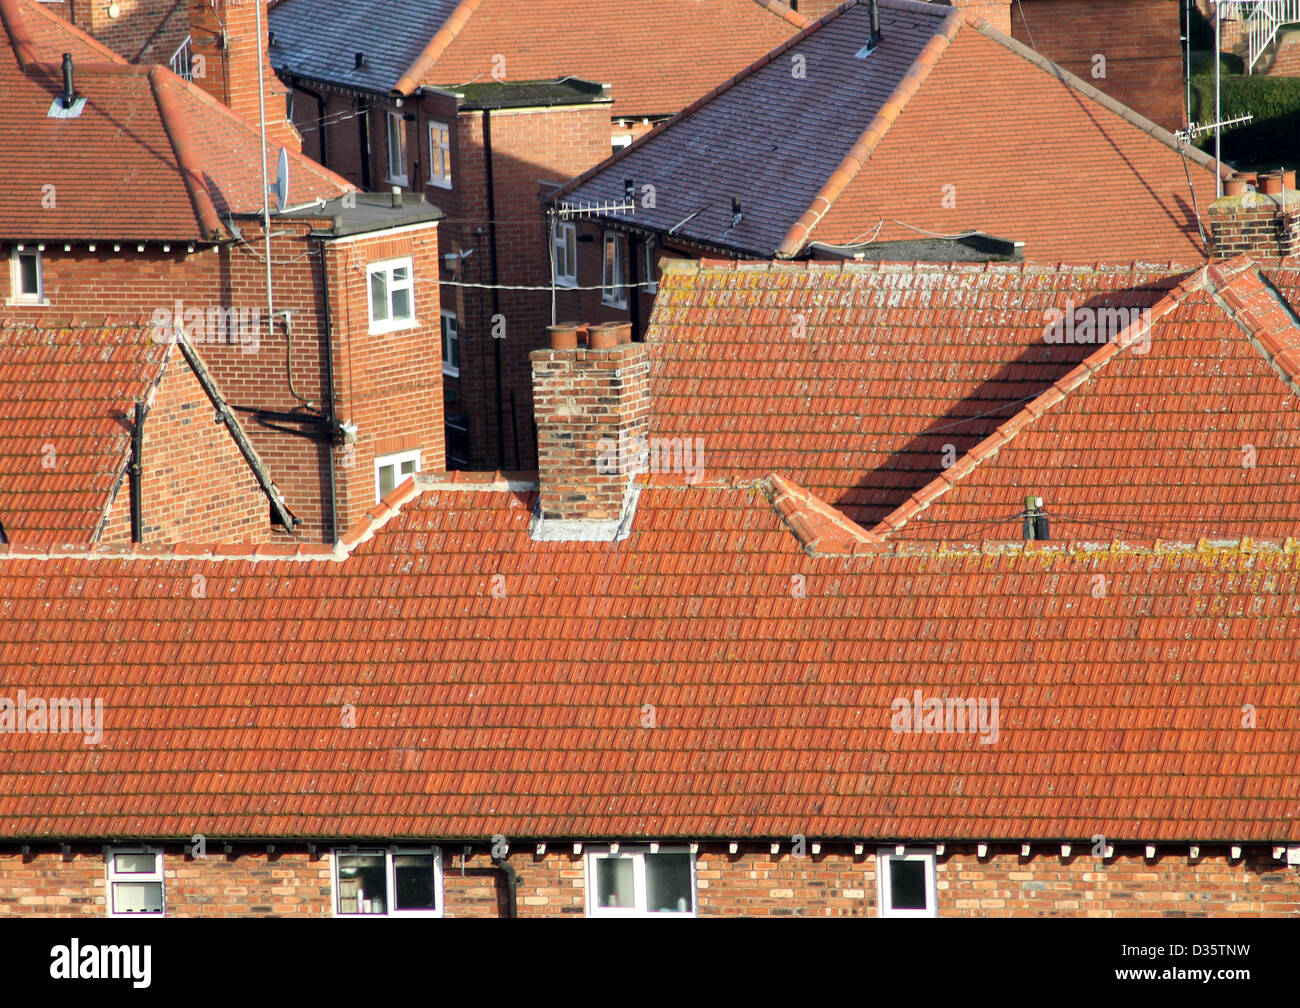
x: 907, y: 884
x: 408, y: 467
x: 29, y: 274
x: 387, y: 479
x: 378, y: 298
x: 135, y: 864
x: 415, y: 881
x: 614, y: 882
x: 668, y: 883
x: 402, y: 303
x: 362, y: 887
x: 137, y: 897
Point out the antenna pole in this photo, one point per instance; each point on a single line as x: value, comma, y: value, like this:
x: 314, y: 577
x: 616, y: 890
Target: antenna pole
x: 1218, y: 112
x: 266, y: 189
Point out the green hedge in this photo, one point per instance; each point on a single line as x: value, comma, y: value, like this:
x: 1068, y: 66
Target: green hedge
x: 1272, y: 139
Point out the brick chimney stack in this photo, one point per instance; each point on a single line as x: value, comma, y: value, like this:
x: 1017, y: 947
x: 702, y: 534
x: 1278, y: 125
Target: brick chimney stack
x: 225, y: 34
x: 1264, y: 223
x: 996, y: 12
x: 592, y: 407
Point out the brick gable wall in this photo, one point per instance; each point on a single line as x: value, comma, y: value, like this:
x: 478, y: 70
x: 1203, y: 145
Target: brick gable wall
x: 196, y: 485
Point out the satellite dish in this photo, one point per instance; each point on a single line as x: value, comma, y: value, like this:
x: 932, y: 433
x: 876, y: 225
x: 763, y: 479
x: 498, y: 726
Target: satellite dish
x: 282, y: 181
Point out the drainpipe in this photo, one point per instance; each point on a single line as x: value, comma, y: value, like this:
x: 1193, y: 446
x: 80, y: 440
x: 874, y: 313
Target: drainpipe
x: 363, y: 128
x: 330, y: 420
x: 496, y: 294
x: 512, y: 886
x: 634, y: 248
x: 135, y: 470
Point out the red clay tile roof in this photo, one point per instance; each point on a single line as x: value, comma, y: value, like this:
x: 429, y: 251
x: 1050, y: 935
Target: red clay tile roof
x: 855, y: 381
x: 1183, y: 426
x: 657, y: 54
x: 861, y: 150
x: 66, y: 396
x: 520, y: 712
x: 150, y: 158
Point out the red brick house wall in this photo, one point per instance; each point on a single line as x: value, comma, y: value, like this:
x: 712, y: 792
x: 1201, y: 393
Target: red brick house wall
x: 1286, y: 57
x: 1138, y: 38
x: 530, y: 148
x: 196, y: 485
x: 133, y: 285
x: 835, y: 883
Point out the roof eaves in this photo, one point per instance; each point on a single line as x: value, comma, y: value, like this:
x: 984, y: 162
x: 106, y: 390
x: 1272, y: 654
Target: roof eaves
x: 1051, y: 397
x: 442, y: 38
x: 173, y: 122
x: 1079, y: 84
x: 699, y: 103
x: 848, y: 169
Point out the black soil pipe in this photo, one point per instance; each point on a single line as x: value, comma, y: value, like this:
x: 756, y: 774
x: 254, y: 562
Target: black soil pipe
x: 634, y: 250
x: 363, y: 126
x: 330, y: 420
x: 135, y: 470
x: 511, y: 878
x: 496, y: 294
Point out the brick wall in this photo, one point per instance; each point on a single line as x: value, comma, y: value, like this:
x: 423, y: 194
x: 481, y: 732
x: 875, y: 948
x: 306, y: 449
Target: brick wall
x: 996, y: 12
x: 225, y: 35
x: 529, y: 147
x: 1286, y: 57
x: 1139, y: 40
x: 389, y: 384
x: 835, y: 883
x: 195, y: 484
x: 144, y: 31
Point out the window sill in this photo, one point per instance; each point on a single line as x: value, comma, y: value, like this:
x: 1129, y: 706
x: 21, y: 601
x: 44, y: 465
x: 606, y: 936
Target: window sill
x: 567, y: 284
x: 383, y: 328
x: 402, y: 181
x: 450, y: 372
x: 23, y: 303
x: 614, y: 304
x: 440, y: 183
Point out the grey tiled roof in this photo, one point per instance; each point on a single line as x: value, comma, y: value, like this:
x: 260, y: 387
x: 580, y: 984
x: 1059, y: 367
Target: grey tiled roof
x: 772, y: 139
x: 319, y: 39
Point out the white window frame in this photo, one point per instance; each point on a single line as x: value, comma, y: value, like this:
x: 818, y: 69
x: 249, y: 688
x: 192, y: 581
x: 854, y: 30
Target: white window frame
x: 651, y: 266
x: 388, y: 267
x: 564, y: 244
x: 620, y: 141
x: 440, y: 155
x: 592, y: 855
x: 390, y: 880
x: 884, y: 887
x: 395, y: 459
x: 613, y: 277
x: 115, y: 877
x: 449, y: 369
x: 19, y: 296
x: 399, y: 132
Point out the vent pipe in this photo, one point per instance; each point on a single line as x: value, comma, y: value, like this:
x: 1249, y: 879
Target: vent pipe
x: 69, y: 90
x: 875, y: 23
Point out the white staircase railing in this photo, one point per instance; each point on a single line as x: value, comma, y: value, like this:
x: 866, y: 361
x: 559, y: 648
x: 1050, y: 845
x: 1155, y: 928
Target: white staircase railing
x: 1260, y: 21
x: 182, y: 63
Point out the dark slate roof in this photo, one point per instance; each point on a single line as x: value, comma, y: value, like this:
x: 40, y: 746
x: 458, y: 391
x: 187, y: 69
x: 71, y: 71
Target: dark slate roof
x: 768, y: 140
x: 319, y: 39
